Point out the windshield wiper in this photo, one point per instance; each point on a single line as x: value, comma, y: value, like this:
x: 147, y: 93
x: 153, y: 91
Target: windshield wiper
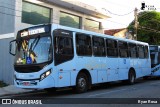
x: 35, y: 42
x: 31, y: 52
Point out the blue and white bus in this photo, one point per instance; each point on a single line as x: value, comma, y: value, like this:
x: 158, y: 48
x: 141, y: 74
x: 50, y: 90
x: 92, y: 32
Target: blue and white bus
x: 55, y: 56
x: 155, y: 60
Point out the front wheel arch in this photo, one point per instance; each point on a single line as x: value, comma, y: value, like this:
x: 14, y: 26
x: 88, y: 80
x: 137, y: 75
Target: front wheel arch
x: 86, y: 75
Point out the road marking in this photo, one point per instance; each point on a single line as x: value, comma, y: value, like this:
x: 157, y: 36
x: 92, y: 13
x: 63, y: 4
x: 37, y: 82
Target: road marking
x: 107, y: 92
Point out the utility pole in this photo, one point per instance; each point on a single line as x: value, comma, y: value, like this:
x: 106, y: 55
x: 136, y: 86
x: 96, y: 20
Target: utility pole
x: 135, y: 23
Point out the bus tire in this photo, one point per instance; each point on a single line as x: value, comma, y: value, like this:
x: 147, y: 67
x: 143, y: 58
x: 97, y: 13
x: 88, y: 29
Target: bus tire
x: 81, y: 83
x: 131, y: 77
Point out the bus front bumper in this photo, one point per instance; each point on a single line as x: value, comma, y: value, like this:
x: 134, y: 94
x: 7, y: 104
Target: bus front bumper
x: 47, y: 82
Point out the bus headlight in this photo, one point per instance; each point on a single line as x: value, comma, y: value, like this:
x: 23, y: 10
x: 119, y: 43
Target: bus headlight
x: 45, y: 74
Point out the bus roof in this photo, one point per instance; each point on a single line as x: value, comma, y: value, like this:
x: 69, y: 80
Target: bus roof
x: 56, y: 26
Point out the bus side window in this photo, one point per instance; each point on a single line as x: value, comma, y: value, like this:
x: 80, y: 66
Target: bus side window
x: 83, y: 45
x: 63, y: 49
x: 141, y: 51
x: 132, y: 50
x: 123, y: 49
x: 111, y: 48
x: 98, y: 46
x: 146, y: 51
x: 65, y: 46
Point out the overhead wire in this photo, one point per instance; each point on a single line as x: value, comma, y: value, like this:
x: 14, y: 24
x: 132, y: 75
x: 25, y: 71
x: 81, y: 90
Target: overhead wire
x: 118, y: 14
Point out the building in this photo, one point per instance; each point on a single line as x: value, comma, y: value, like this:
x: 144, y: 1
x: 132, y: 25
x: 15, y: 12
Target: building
x: 19, y: 14
x: 121, y: 33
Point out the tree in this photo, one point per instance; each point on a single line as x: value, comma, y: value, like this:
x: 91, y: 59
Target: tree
x: 148, y: 28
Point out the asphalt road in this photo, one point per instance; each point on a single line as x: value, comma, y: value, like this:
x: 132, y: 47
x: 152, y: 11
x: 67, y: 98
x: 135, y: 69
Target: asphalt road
x: 142, y: 93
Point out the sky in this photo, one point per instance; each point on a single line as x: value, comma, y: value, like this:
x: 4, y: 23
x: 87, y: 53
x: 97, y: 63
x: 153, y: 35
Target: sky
x: 121, y: 7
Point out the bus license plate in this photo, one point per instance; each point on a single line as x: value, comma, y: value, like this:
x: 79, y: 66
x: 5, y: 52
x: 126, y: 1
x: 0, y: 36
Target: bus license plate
x: 26, y: 83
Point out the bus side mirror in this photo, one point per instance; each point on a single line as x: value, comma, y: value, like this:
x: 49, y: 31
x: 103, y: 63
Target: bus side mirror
x: 12, y: 46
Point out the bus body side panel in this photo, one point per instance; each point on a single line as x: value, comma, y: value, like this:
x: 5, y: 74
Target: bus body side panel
x: 134, y: 65
x: 112, y: 71
x: 142, y: 65
x: 101, y: 69
x: 139, y: 68
x: 146, y: 67
x: 156, y: 71
x: 124, y: 66
x: 89, y: 64
x: 65, y: 75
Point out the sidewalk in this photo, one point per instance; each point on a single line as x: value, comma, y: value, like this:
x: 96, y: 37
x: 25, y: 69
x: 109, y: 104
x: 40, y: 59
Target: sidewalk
x: 11, y: 90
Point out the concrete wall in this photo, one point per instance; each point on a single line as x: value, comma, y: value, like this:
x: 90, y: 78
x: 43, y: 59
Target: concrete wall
x: 6, y: 60
x: 7, y: 22
x: 55, y: 16
x: 7, y: 16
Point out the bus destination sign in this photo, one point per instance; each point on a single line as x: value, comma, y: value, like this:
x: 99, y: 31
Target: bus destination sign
x: 33, y: 31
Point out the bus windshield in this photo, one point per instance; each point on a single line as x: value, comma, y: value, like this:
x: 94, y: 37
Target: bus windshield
x: 33, y: 50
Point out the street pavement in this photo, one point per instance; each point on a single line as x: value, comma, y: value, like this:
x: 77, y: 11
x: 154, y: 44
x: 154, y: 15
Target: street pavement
x: 11, y: 90
x: 141, y: 90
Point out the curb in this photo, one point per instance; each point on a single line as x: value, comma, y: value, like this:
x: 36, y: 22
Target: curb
x: 12, y: 90
x: 12, y: 94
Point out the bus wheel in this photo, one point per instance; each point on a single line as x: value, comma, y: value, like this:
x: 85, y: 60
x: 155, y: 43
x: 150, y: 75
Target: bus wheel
x: 81, y: 83
x: 131, y: 77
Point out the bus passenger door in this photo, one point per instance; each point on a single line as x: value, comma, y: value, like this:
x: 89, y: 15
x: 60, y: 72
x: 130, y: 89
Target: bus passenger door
x: 63, y: 55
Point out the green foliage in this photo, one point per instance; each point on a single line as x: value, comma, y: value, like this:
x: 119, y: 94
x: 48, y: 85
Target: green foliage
x: 148, y: 28
x: 2, y: 84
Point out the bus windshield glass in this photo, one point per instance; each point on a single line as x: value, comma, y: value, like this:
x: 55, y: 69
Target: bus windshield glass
x: 33, y: 50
